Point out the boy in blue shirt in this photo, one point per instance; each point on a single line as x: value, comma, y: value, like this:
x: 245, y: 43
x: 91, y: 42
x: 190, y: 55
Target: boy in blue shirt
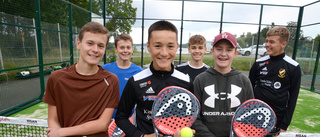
x: 123, y: 67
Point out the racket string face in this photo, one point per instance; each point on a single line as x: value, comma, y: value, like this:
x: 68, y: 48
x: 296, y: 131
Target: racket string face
x: 253, y: 119
x: 174, y: 108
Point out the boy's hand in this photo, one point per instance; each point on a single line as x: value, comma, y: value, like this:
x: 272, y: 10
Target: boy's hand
x: 177, y: 133
x: 53, y: 132
x: 152, y: 135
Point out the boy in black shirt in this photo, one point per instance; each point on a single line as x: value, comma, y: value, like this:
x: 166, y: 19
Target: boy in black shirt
x: 197, y: 48
x: 276, y: 78
x: 142, y: 89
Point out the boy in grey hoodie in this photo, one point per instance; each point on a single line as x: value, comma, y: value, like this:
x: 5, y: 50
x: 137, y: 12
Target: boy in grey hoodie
x: 220, y: 89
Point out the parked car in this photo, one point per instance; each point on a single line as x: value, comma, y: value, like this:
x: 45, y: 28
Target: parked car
x: 239, y: 48
x: 252, y: 50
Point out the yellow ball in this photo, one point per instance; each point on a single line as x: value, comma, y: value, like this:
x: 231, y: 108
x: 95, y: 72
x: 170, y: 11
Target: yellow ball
x: 186, y: 132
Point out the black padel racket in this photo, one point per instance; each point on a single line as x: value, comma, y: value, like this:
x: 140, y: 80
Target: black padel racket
x: 174, y: 108
x: 115, y: 131
x: 254, y: 118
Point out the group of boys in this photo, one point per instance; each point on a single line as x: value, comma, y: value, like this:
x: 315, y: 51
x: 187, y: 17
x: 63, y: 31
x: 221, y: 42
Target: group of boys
x: 82, y: 98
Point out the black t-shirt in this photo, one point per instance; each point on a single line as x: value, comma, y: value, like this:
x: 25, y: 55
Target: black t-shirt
x: 186, y: 68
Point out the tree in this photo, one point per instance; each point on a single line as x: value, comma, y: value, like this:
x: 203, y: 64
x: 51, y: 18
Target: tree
x: 292, y: 27
x: 264, y: 31
x: 121, y: 14
x: 317, y: 38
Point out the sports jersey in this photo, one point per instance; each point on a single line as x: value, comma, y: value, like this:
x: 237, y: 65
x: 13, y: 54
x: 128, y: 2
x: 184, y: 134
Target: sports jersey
x: 219, y: 96
x: 142, y: 89
x: 81, y: 98
x: 276, y: 81
x: 122, y: 74
x: 186, y: 68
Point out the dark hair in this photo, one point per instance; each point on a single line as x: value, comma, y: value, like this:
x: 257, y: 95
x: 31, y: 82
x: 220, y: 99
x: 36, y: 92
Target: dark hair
x: 162, y: 25
x: 122, y: 37
x: 93, y: 27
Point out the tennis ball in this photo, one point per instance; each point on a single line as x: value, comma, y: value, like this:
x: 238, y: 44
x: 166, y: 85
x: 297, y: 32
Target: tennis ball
x: 186, y: 132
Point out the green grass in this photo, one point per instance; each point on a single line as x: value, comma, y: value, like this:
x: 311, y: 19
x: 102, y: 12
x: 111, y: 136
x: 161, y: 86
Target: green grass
x: 306, y: 118
x: 38, y: 111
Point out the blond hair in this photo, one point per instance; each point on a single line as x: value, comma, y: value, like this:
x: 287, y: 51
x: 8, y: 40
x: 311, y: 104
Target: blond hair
x: 283, y: 32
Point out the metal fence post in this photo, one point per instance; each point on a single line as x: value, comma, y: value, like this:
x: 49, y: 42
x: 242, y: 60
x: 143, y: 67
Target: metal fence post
x: 296, y: 42
x: 315, y: 69
x: 70, y: 34
x: 39, y: 43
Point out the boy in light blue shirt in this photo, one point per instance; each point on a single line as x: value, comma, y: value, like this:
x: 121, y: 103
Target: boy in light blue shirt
x: 123, y: 67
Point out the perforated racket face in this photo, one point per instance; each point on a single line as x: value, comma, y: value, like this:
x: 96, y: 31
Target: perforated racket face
x: 253, y: 118
x: 174, y: 108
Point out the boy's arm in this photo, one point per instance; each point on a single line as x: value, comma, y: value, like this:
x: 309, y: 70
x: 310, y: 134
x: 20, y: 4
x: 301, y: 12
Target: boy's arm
x: 252, y: 76
x: 53, y: 121
x: 91, y: 127
x: 201, y: 129
x: 126, y: 104
x: 249, y: 91
x: 295, y: 80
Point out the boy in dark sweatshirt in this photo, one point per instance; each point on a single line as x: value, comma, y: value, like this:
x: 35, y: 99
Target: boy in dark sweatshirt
x: 220, y: 89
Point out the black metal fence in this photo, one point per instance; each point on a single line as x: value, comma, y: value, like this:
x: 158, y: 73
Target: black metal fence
x: 39, y: 36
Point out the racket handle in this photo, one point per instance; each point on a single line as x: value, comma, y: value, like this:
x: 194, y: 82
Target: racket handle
x: 156, y: 132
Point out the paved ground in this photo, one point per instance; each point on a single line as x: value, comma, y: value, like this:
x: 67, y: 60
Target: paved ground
x: 16, y: 92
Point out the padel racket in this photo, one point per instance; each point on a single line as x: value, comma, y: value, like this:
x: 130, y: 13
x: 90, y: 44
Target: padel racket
x: 254, y: 118
x: 174, y: 108
x: 115, y: 131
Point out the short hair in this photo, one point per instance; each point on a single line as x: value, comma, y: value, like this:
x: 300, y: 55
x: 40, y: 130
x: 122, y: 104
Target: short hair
x: 283, y: 32
x: 162, y: 25
x: 197, y: 39
x: 122, y: 37
x: 94, y: 27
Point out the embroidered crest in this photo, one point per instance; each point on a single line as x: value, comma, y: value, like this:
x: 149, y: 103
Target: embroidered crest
x: 282, y: 73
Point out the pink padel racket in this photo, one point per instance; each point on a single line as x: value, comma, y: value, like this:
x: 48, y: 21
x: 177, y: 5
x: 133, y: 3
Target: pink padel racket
x: 254, y: 118
x: 115, y: 131
x: 174, y: 108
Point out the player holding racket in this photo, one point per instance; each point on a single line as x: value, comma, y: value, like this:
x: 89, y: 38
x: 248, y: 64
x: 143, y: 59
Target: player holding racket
x: 276, y: 77
x: 142, y: 88
x: 220, y: 89
x: 81, y: 98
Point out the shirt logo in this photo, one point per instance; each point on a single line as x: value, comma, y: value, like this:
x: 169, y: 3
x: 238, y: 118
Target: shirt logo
x: 282, y: 73
x: 277, y: 85
x: 264, y: 71
x: 150, y: 90
x: 262, y: 64
x: 106, y: 81
x: 210, y: 101
x: 224, y: 35
x: 144, y: 84
x: 149, y: 98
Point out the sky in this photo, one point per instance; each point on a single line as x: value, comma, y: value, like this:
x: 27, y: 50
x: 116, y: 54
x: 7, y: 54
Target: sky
x: 211, y: 11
